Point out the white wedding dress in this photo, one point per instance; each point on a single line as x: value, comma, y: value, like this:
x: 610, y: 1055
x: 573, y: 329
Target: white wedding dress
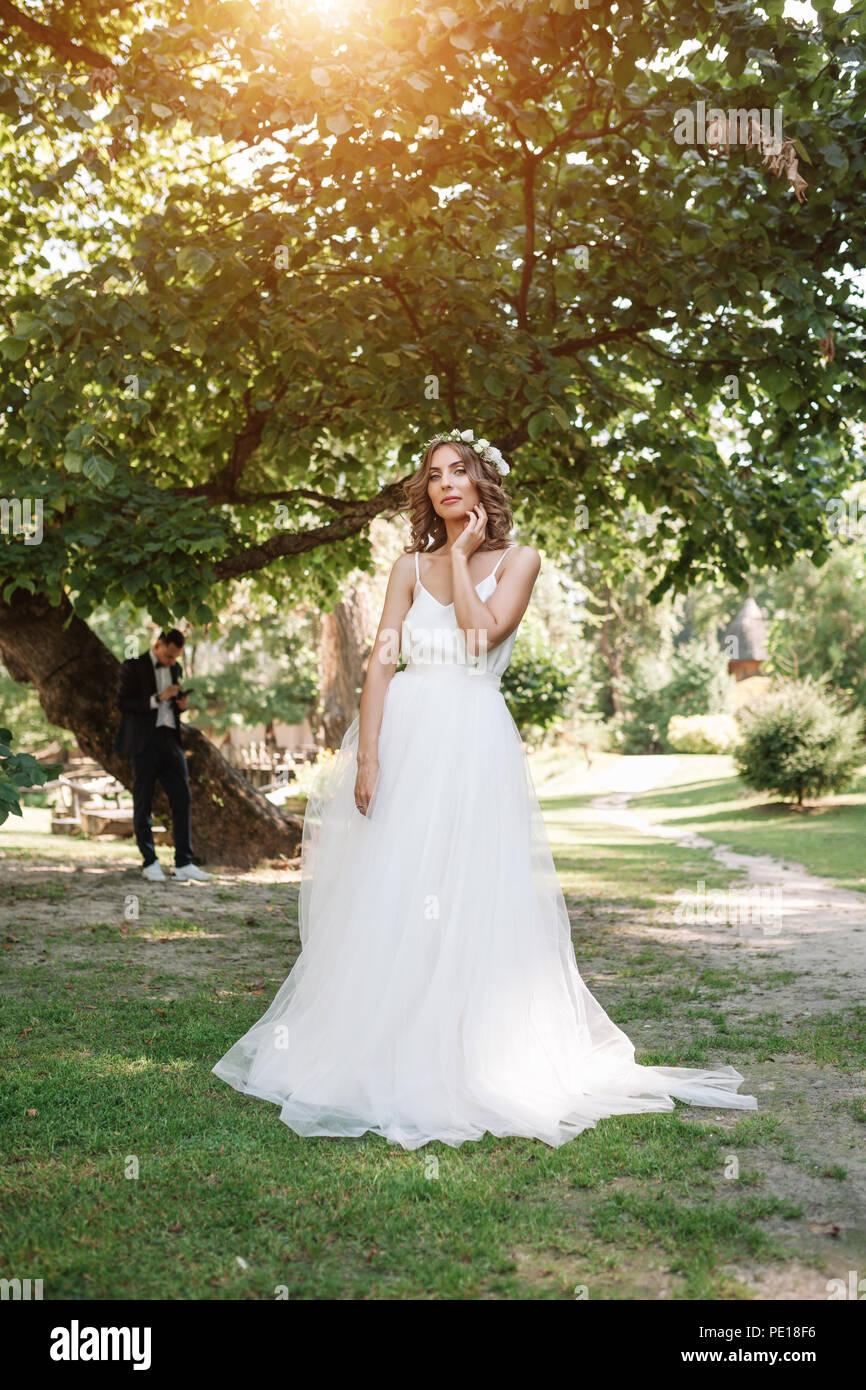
x: 436, y: 995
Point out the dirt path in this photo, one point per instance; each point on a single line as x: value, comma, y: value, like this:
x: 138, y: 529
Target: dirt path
x: 812, y: 925
x: 816, y: 932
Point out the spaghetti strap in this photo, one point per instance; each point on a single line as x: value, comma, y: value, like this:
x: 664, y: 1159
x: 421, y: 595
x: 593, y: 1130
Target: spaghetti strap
x: 501, y: 558
x: 417, y: 575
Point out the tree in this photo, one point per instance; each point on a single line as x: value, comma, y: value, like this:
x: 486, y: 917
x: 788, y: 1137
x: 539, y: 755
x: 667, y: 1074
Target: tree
x: 616, y: 577
x: 255, y: 665
x: 299, y: 244
x: 344, y: 652
x: 818, y: 621
x: 233, y: 824
x: 799, y: 741
x: 685, y: 680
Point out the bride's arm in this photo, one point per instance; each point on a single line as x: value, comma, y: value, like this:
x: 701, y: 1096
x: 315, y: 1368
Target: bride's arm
x: 380, y: 668
x: 485, y: 625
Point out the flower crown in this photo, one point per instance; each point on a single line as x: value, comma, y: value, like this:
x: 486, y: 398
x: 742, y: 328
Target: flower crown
x: 483, y: 448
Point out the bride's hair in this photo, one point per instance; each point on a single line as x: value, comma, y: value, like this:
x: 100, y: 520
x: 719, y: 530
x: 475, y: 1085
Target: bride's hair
x: 425, y: 520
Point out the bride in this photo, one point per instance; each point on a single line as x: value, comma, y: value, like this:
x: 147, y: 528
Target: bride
x: 436, y: 995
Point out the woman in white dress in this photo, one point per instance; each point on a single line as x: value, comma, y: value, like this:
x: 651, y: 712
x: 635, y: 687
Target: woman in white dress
x: 437, y: 995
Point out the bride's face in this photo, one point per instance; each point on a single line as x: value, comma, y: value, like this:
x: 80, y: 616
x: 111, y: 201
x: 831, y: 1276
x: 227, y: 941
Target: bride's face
x: 449, y: 486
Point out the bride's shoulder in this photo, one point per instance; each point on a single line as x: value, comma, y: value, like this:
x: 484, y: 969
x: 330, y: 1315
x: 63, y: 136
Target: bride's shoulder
x: 403, y: 567
x: 404, y: 561
x: 526, y: 556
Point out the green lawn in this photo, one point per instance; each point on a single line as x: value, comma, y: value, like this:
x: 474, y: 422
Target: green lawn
x: 131, y: 1172
x: 705, y: 796
x: 122, y: 1087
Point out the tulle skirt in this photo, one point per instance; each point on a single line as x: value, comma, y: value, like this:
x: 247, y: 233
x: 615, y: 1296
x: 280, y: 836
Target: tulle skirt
x: 436, y: 995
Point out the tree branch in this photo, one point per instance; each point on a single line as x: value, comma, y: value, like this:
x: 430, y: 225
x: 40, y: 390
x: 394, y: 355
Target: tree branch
x: 569, y: 345
x: 248, y: 440
x: 529, y: 240
x: 216, y: 493
x: 569, y: 134
x: 46, y: 34
x: 355, y: 518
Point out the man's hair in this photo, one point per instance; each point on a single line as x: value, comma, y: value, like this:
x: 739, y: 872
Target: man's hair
x: 172, y: 638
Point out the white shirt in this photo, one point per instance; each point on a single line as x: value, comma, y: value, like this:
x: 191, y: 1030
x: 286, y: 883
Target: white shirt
x: 164, y: 711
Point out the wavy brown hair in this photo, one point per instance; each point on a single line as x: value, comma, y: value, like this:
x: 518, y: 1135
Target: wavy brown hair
x: 425, y: 520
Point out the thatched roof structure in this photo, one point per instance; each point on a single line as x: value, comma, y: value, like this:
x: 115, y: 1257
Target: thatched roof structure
x: 750, y: 632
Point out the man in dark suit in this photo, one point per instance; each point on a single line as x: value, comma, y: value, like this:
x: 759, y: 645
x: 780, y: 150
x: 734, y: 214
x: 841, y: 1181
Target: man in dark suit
x: 150, y: 699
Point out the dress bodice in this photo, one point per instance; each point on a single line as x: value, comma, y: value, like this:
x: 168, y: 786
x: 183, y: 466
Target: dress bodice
x: 430, y: 635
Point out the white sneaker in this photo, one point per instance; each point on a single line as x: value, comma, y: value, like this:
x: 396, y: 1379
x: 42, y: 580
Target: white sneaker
x: 192, y: 871
x: 154, y: 872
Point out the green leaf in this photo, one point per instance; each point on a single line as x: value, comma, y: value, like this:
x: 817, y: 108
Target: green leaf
x: 791, y: 397
x: 98, y: 469
x: 196, y: 259
x: 834, y: 155
x: 539, y: 423
x: 14, y: 348
x: 493, y: 386
x: 28, y: 326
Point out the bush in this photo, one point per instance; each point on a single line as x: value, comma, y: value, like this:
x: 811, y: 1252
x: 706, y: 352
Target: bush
x: 799, y: 741
x: 537, y: 686
x: 18, y: 771
x: 703, y: 733
x: 693, y: 680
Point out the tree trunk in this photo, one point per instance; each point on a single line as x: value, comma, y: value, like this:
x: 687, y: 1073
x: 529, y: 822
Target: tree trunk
x: 75, y: 676
x: 342, y: 654
x: 612, y: 656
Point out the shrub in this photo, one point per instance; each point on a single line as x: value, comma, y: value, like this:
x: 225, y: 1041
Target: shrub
x: 703, y: 733
x: 799, y: 741
x: 692, y: 680
x: 537, y: 685
x: 18, y: 771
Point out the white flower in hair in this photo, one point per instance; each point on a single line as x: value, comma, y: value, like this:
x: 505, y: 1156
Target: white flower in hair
x: 483, y: 448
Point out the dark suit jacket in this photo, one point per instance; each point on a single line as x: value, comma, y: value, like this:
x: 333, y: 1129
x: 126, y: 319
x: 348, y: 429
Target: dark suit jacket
x: 136, y: 684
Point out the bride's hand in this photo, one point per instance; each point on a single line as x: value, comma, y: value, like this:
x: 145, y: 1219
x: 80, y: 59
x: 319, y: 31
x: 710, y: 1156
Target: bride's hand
x: 474, y: 533
x: 368, y: 771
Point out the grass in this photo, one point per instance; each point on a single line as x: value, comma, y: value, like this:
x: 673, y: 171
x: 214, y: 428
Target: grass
x: 609, y: 864
x: 131, y: 1147
x: 704, y: 795
x: 131, y: 1172
x: 29, y: 837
